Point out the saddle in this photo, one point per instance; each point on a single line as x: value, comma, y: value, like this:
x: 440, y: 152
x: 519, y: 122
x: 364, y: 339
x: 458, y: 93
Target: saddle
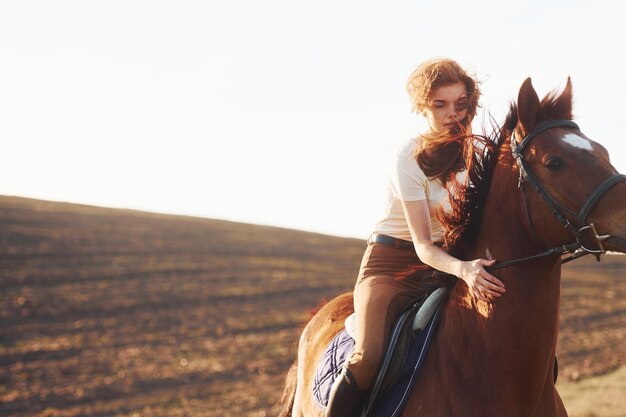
x: 406, y: 352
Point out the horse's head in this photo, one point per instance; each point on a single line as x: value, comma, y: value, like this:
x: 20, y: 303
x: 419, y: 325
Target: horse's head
x: 576, y: 185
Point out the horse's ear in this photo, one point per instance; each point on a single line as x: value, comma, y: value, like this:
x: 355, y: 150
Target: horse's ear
x: 527, y: 107
x: 563, y: 104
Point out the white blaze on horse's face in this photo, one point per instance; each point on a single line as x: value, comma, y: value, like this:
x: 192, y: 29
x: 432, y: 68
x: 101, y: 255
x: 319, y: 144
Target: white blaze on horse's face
x: 577, y: 141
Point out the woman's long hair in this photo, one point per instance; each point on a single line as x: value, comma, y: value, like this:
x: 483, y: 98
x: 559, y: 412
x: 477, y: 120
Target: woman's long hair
x: 442, y: 158
x: 442, y: 154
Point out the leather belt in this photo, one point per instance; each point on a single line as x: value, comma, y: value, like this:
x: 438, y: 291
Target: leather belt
x: 390, y: 241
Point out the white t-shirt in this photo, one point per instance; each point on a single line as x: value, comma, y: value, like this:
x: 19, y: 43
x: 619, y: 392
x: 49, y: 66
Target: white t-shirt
x: 407, y: 182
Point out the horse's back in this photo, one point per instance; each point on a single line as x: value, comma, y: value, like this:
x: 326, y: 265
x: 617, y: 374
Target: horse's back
x: 317, y: 334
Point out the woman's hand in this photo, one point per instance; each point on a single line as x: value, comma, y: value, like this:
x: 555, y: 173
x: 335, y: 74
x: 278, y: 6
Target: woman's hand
x: 481, y: 283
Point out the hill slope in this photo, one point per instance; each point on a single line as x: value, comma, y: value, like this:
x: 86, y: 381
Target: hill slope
x: 108, y: 312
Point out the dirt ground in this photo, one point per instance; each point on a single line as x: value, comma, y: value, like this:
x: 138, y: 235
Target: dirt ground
x: 119, y: 313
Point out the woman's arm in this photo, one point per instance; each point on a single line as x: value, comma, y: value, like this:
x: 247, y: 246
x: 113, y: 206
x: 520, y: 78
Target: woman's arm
x: 483, y: 285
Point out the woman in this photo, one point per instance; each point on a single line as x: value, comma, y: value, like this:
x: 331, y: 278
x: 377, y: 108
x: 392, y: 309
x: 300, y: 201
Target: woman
x: 409, y: 233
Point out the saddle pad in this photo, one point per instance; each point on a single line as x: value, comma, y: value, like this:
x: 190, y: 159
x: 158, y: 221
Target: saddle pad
x: 387, y: 404
x: 329, y: 367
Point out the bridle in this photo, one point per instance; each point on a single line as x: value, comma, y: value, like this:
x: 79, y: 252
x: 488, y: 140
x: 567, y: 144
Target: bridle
x: 582, y: 229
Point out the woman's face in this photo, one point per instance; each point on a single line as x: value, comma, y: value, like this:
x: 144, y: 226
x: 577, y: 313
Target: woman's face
x: 446, y: 107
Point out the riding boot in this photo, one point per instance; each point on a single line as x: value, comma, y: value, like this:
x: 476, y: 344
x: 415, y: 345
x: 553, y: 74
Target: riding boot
x: 346, y: 398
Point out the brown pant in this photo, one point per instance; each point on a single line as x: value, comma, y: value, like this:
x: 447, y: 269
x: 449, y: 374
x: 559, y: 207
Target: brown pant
x: 379, y: 296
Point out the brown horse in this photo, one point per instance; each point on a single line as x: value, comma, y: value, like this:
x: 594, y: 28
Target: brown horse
x: 497, y: 359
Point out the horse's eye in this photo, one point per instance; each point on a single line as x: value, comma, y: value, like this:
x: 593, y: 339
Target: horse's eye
x: 555, y: 164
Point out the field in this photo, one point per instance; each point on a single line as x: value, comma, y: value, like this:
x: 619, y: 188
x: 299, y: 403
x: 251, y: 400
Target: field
x: 109, y: 312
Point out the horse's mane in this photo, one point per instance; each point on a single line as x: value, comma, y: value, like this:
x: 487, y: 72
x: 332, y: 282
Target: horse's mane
x: 462, y: 222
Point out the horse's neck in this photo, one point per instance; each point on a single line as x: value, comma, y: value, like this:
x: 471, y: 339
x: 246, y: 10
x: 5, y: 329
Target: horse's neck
x: 518, y: 331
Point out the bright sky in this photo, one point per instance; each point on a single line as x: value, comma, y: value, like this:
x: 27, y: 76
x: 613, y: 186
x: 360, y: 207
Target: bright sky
x: 270, y: 112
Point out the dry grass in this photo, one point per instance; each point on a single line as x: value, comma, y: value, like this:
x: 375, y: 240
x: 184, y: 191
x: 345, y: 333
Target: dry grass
x: 119, y: 313
x: 601, y: 396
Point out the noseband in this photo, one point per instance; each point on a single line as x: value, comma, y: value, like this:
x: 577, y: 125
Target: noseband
x: 582, y: 228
